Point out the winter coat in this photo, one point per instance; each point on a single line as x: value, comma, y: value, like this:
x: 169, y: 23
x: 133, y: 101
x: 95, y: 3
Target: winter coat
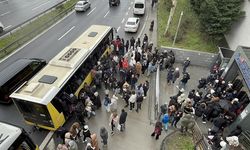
x: 187, y: 121
x: 94, y: 141
x: 103, y: 133
x: 113, y: 104
x: 123, y: 117
x: 219, y: 122
x: 132, y: 98
x: 138, y: 68
x: 158, y: 128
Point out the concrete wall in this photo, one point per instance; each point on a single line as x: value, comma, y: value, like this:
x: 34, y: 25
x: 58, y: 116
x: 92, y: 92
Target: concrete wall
x: 197, y: 58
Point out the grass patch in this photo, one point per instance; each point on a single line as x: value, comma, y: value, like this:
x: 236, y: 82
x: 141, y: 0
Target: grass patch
x: 177, y: 141
x: 189, y: 35
x: 33, y: 28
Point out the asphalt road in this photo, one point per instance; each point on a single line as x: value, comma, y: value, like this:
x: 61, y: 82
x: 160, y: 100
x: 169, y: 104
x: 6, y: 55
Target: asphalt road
x: 15, y: 12
x: 62, y: 34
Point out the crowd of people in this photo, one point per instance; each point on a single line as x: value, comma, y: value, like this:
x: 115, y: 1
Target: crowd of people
x: 116, y: 76
x: 213, y: 100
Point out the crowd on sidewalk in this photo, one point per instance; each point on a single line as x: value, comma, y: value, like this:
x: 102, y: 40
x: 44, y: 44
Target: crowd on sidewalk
x: 117, y: 76
x: 213, y: 100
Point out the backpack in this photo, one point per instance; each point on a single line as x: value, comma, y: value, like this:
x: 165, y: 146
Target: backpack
x: 165, y: 119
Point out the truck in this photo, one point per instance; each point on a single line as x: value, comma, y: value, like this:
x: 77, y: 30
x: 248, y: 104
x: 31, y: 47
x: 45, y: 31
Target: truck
x: 114, y: 2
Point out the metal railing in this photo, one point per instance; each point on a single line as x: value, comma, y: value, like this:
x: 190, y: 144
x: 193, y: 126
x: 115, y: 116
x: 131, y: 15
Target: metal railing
x: 201, y: 143
x: 157, y: 93
x: 244, y: 139
x: 32, y: 33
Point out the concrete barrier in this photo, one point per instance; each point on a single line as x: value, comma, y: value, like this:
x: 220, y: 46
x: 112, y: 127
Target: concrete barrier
x: 197, y: 58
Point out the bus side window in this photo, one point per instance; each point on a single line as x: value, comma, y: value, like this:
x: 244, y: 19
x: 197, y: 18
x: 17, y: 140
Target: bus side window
x: 57, y: 104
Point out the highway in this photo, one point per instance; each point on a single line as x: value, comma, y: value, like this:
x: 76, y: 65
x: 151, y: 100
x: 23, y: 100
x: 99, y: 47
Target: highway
x: 48, y: 44
x: 15, y: 12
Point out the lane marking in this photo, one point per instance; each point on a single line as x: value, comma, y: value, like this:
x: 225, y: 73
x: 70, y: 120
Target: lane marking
x: 143, y: 27
x: 126, y: 13
x: 40, y: 5
x: 91, y: 11
x: 123, y: 20
x: 46, y: 140
x: 7, y: 27
x: 35, y: 38
x: 129, y: 8
x: 106, y: 14
x: 5, y: 13
x: 118, y: 29
x: 66, y: 33
x: 3, y: 1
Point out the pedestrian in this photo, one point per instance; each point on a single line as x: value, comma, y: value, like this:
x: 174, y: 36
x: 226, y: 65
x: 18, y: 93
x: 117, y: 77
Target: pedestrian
x: 184, y: 80
x: 69, y: 142
x: 94, y: 141
x: 126, y: 46
x: 165, y: 120
x: 75, y: 130
x: 186, y: 63
x: 97, y: 100
x: 132, y: 101
x: 138, y: 68
x: 89, y: 147
x: 133, y: 81
x: 104, y: 136
x: 86, y: 133
x: 132, y: 43
x: 107, y: 102
x: 139, y: 100
x: 113, y: 104
x: 145, y: 88
x: 113, y: 121
x: 176, y: 74
x: 62, y: 147
x: 170, y: 75
x: 187, y: 122
x: 157, y: 130
x: 122, y: 120
x: 138, y: 42
x: 145, y: 38
x: 177, y: 117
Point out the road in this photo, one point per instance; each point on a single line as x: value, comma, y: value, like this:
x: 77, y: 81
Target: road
x: 62, y: 34
x: 240, y: 31
x: 15, y: 12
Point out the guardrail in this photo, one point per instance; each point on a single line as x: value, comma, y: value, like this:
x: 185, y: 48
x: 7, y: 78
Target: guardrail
x: 244, y: 139
x: 157, y: 93
x: 31, y: 34
x: 201, y: 143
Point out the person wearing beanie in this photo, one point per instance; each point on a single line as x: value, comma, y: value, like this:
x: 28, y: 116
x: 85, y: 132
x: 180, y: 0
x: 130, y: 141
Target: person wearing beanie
x: 104, y: 136
x: 176, y: 75
x: 86, y: 133
x: 186, y: 63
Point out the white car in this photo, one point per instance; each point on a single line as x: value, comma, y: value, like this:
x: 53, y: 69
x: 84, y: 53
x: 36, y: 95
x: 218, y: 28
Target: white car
x: 132, y: 24
x: 1, y: 27
x: 82, y: 6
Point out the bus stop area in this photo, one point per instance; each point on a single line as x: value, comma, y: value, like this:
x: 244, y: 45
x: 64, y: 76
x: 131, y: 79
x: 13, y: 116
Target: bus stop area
x: 139, y: 125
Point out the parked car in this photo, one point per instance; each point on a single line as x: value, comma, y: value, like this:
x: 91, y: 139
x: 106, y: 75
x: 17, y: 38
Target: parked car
x: 132, y: 24
x: 114, y: 2
x: 1, y: 27
x: 82, y: 6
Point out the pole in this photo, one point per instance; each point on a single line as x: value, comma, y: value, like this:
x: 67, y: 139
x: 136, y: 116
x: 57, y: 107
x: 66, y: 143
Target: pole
x: 178, y: 26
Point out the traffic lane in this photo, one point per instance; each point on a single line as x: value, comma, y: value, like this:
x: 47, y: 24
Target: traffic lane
x: 16, y: 15
x: 10, y: 114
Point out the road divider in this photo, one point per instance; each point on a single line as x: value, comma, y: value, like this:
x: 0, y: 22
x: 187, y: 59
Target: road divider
x: 7, y: 27
x: 118, y: 28
x: 91, y: 11
x: 66, y: 33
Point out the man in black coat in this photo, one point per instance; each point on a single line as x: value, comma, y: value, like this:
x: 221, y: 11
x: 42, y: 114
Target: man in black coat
x: 122, y: 119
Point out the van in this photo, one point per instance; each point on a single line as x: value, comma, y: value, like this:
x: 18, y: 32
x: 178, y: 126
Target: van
x: 139, y: 7
x: 16, y: 74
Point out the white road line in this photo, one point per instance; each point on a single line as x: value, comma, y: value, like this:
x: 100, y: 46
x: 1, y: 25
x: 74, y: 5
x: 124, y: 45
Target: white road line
x: 91, y: 11
x: 40, y: 5
x: 126, y: 13
x: 129, y: 8
x: 7, y: 27
x: 123, y: 20
x: 143, y: 27
x: 46, y: 140
x: 106, y: 14
x: 66, y: 33
x: 5, y: 13
x: 3, y: 1
x: 118, y: 28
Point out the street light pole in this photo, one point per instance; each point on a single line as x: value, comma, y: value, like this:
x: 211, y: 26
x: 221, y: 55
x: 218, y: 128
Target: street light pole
x: 177, y: 28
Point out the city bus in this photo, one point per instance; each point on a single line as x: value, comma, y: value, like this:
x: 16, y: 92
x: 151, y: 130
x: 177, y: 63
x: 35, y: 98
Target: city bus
x: 16, y: 74
x: 40, y: 99
x: 15, y: 138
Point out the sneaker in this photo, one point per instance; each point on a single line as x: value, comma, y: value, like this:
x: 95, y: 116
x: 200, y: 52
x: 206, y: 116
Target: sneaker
x: 204, y: 122
x: 130, y: 110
